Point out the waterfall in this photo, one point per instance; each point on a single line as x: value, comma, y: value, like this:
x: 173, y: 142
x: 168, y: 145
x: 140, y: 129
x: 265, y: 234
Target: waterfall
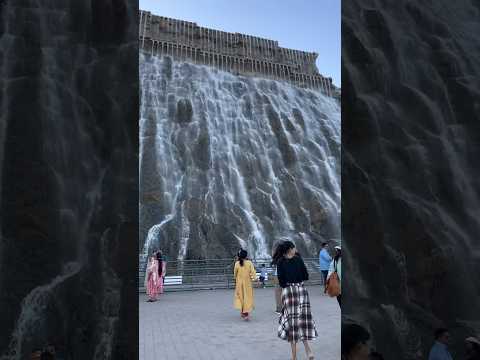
x: 230, y: 161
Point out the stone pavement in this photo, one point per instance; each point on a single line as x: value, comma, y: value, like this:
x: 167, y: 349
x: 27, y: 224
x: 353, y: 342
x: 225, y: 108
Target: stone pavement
x: 203, y: 325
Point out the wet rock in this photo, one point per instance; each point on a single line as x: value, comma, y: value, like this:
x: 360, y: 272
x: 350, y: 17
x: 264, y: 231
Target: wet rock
x: 184, y: 112
x: 406, y: 208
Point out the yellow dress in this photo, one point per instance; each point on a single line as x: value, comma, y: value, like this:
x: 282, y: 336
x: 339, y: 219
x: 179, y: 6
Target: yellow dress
x: 244, y: 275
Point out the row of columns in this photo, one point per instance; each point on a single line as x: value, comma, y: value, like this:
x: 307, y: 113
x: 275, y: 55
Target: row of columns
x: 235, y: 44
x: 304, y: 59
x: 145, y: 17
x: 239, y: 64
x: 188, y: 33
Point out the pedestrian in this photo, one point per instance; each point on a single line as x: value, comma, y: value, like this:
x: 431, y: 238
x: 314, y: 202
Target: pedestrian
x: 47, y: 355
x: 152, y: 278
x: 324, y: 260
x: 336, y: 266
x: 263, y: 275
x: 355, y: 342
x: 278, y: 289
x: 244, y: 273
x: 439, y: 350
x: 472, y: 345
x: 375, y: 356
x: 162, y: 269
x: 296, y: 322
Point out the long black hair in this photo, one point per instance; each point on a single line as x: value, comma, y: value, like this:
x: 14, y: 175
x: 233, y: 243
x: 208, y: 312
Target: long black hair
x: 158, y: 254
x: 353, y: 335
x: 242, y: 255
x: 338, y: 255
x: 281, y: 250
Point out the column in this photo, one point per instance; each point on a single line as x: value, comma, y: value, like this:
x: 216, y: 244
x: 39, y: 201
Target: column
x: 207, y: 35
x: 145, y: 19
x: 182, y: 32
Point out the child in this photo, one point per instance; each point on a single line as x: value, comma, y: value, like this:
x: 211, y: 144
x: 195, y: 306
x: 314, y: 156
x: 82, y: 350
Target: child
x: 263, y: 275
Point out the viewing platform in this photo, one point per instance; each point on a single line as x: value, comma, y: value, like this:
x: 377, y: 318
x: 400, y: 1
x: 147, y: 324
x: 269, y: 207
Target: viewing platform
x: 216, y: 274
x: 204, y: 325
x: 232, y: 52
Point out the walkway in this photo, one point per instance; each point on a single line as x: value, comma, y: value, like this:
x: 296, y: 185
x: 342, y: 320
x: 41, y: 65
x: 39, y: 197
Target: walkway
x: 202, y: 325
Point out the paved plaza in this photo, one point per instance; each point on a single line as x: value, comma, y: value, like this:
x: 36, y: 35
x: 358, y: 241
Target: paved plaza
x: 203, y: 325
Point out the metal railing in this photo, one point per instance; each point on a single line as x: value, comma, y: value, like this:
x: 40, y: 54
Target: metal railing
x: 218, y: 273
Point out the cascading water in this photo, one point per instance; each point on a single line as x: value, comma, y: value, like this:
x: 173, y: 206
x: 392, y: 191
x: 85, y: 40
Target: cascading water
x: 68, y: 163
x: 232, y: 161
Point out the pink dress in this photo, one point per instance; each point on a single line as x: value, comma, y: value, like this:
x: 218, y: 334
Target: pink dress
x: 153, y: 279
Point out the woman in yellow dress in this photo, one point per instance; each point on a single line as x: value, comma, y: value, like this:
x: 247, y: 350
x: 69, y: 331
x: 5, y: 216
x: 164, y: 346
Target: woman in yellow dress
x: 244, y: 273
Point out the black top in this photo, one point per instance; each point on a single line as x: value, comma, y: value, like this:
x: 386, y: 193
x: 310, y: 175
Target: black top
x: 291, y: 271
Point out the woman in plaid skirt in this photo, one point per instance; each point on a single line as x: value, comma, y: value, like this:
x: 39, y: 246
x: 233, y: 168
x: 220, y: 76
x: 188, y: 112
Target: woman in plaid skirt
x: 296, y: 322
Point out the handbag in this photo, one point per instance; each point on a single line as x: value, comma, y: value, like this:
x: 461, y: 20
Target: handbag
x: 333, y: 284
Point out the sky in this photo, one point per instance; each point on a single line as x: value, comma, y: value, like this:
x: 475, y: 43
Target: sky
x: 308, y: 25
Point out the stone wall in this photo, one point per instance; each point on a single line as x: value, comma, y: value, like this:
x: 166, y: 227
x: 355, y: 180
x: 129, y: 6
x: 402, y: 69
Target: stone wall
x: 234, y: 52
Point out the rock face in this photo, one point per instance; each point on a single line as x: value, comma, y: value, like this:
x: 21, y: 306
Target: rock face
x: 411, y: 139
x: 69, y: 165
x: 230, y: 161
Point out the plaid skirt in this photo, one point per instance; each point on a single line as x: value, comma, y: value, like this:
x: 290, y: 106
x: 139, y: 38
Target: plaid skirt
x: 296, y: 322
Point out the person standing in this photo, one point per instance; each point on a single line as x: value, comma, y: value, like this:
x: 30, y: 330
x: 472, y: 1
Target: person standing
x: 355, y: 340
x: 472, y: 345
x: 324, y: 260
x: 374, y: 355
x: 278, y: 289
x: 244, y: 273
x: 439, y: 350
x: 263, y: 275
x: 162, y: 268
x: 152, y: 278
x: 296, y: 322
x: 336, y: 266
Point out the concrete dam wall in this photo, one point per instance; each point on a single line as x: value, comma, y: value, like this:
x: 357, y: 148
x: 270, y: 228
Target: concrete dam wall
x: 233, y: 52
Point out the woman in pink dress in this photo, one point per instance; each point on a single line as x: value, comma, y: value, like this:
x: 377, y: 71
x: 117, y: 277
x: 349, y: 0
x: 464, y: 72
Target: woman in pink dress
x: 153, y: 279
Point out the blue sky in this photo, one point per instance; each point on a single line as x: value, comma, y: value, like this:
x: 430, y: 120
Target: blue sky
x: 309, y: 25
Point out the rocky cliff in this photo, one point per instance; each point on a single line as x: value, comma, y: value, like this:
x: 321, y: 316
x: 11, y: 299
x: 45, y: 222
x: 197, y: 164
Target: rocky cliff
x: 410, y: 170
x: 233, y: 161
x: 69, y: 166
